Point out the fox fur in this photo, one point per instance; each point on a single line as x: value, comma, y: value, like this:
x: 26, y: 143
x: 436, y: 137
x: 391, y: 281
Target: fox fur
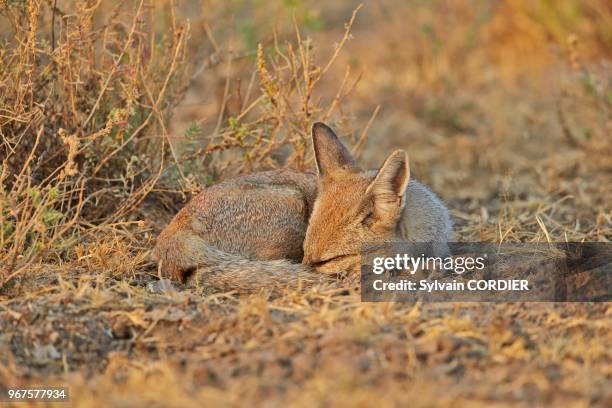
x: 278, y: 228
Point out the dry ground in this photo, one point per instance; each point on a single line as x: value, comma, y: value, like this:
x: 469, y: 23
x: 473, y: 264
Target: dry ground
x: 508, y: 122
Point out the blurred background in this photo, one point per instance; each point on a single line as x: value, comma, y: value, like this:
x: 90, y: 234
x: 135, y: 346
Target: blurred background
x: 503, y: 106
x: 493, y: 100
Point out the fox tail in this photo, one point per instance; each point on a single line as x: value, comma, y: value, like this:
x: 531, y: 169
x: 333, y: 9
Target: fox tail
x: 188, y: 257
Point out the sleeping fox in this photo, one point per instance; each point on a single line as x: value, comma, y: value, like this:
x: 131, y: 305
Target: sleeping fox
x: 276, y: 228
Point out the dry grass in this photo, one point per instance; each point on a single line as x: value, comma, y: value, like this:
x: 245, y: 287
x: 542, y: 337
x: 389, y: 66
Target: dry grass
x: 113, y: 113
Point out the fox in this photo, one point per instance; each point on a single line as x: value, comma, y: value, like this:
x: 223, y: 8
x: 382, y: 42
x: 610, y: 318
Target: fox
x: 281, y: 228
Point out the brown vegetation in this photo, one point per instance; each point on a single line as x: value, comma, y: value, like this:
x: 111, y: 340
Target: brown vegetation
x: 113, y: 113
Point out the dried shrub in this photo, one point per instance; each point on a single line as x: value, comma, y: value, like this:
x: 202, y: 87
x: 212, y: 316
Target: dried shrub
x: 79, y: 107
x: 85, y: 107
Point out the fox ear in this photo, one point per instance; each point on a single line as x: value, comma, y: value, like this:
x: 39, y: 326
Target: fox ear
x: 389, y: 186
x: 330, y: 153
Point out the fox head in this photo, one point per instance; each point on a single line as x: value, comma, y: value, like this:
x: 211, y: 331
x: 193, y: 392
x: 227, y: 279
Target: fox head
x: 353, y: 207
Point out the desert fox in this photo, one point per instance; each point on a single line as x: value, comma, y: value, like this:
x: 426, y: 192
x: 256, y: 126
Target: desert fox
x: 252, y: 231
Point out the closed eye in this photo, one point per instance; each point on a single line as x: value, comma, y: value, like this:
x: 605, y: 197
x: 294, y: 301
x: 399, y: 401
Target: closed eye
x: 367, y: 218
x: 323, y: 262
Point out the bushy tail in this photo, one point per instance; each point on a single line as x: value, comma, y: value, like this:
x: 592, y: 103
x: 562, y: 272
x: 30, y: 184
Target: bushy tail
x: 183, y: 254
